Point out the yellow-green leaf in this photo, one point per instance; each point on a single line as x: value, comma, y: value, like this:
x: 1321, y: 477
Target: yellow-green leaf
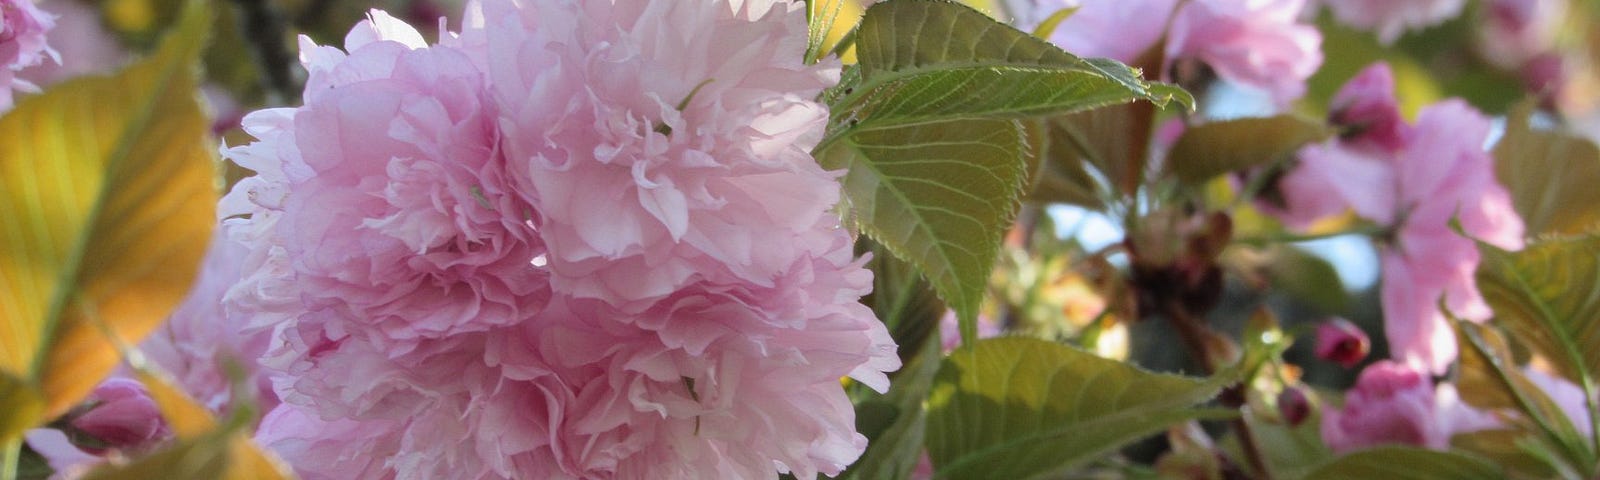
x: 1407, y: 463
x: 929, y: 128
x: 1547, y: 296
x: 1551, y: 177
x: 1018, y: 407
x: 1491, y: 380
x: 1205, y: 151
x: 22, y: 403
x: 107, y: 188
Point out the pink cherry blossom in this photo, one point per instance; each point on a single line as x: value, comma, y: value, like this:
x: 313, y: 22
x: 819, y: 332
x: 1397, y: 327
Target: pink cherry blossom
x: 85, y: 47
x: 568, y: 241
x: 1392, y: 403
x: 1515, y: 32
x: 1255, y: 43
x: 1118, y: 29
x: 22, y: 44
x: 1390, y: 18
x: 1414, y: 179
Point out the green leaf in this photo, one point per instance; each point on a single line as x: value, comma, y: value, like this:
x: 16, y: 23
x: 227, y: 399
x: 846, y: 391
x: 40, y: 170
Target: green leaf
x: 1490, y: 379
x: 108, y: 190
x: 902, y: 299
x: 1547, y: 296
x: 1507, y: 448
x: 1018, y: 407
x: 23, y: 405
x: 1308, y: 278
x: 1407, y: 463
x: 1551, y: 177
x: 928, y: 127
x: 894, y: 449
x: 1211, y: 149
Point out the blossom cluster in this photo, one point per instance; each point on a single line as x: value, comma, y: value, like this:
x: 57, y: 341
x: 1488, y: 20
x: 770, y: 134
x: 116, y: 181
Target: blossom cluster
x: 571, y: 240
x: 1414, y: 179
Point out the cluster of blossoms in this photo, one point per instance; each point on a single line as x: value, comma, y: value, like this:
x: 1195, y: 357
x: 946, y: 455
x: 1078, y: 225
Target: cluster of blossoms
x: 569, y: 241
x: 1259, y: 44
x: 1390, y: 18
x: 1414, y: 180
x: 22, y: 44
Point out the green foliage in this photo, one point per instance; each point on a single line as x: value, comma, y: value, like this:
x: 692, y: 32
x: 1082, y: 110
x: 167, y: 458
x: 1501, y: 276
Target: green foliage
x: 1207, y: 150
x: 1407, y: 463
x: 930, y: 129
x: 821, y: 16
x: 895, y: 446
x: 1019, y: 407
x: 1490, y: 379
x: 1548, y: 297
x: 1551, y: 177
x: 105, y: 185
x: 1308, y: 278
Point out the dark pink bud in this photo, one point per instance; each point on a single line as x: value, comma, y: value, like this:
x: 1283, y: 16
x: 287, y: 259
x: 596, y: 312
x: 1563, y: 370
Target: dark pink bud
x: 123, y: 417
x: 1293, y: 406
x: 1342, y: 342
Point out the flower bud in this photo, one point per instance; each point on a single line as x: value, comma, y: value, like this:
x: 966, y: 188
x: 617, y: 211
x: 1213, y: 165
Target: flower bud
x: 1342, y: 342
x: 1293, y: 406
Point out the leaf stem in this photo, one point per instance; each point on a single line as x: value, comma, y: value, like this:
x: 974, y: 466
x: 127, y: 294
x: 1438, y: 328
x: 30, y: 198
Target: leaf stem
x: 1193, y: 334
x: 1366, y: 230
x: 13, y: 458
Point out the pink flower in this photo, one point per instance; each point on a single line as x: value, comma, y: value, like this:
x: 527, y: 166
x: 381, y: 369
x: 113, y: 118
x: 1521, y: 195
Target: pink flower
x: 569, y: 241
x: 1341, y: 342
x: 1117, y: 29
x: 121, y: 416
x: 1394, y: 403
x: 1392, y: 17
x: 1256, y: 43
x: 22, y: 44
x: 84, y: 45
x: 1517, y: 31
x: 1416, y: 180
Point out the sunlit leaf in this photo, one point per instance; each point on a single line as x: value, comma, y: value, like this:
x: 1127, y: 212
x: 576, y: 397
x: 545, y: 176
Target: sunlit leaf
x: 107, y: 185
x: 1490, y: 380
x: 23, y: 404
x: 929, y: 128
x: 1017, y: 407
x: 1407, y: 463
x: 1308, y: 278
x: 1551, y: 177
x: 821, y: 18
x: 1211, y: 149
x: 1506, y: 448
x: 1548, y: 297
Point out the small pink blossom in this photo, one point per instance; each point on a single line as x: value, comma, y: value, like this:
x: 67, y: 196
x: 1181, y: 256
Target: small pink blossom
x: 1390, y: 18
x: 1392, y: 403
x: 1515, y: 32
x: 1255, y: 43
x: 1260, y: 44
x: 23, y: 28
x: 1341, y: 342
x: 85, y: 46
x: 1118, y: 29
